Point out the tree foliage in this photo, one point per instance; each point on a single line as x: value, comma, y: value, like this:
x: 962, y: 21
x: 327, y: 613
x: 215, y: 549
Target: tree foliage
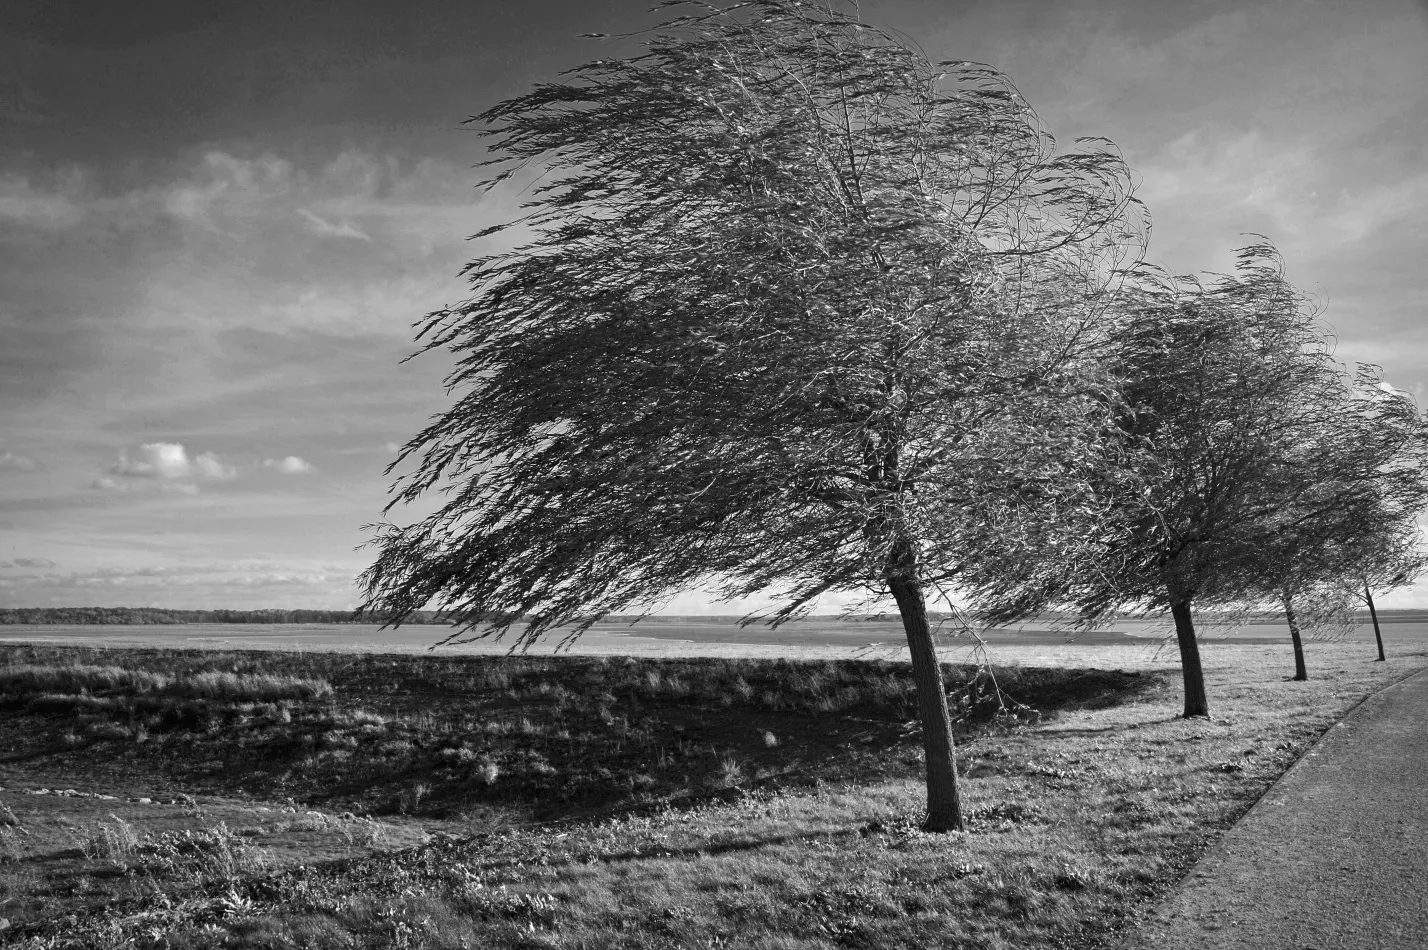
x: 1246, y: 468
x: 1350, y: 522
x: 796, y: 311
x: 793, y: 293
x: 1227, y: 472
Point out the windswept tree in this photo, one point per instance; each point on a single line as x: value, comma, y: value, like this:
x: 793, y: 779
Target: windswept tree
x: 1352, y: 493
x: 1393, y: 562
x: 797, y: 311
x: 1215, y: 402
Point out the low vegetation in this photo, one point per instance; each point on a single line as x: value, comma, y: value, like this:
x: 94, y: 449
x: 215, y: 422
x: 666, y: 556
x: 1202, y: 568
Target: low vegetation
x: 582, y: 801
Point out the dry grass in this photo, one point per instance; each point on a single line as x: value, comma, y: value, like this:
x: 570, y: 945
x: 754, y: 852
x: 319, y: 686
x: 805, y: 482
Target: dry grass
x: 1079, y: 816
x: 77, y: 681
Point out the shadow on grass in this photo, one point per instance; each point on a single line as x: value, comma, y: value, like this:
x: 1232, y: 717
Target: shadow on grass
x: 499, y: 739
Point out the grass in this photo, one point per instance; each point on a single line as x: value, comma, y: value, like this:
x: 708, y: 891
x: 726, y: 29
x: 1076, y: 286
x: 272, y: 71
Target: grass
x: 494, y: 738
x: 79, y: 679
x: 649, y: 803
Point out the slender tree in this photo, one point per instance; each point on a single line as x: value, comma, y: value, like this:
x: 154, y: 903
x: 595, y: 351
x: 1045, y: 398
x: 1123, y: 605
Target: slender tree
x: 1394, y: 562
x: 1301, y: 672
x: 1373, y: 616
x: 797, y: 312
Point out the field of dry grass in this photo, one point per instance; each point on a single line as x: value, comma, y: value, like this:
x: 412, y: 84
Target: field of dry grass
x: 610, y: 801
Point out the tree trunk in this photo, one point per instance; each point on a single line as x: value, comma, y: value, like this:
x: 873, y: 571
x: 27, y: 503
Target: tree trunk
x: 1195, y: 702
x: 944, y: 798
x: 1374, y: 615
x: 1300, y: 673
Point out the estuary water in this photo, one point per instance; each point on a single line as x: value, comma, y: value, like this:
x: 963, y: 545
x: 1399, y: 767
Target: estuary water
x: 655, y: 636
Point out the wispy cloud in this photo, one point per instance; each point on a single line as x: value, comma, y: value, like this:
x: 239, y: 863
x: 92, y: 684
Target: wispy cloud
x: 37, y: 562
x: 192, y: 585
x: 328, y: 229
x: 291, y: 465
x: 27, y: 203
x: 10, y: 462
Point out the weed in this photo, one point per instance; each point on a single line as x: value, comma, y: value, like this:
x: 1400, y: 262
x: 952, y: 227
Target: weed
x: 209, y: 854
x: 114, y: 842
x: 410, y: 801
x: 730, y: 772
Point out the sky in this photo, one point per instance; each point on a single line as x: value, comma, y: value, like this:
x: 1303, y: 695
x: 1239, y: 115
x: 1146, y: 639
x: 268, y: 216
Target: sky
x: 219, y: 221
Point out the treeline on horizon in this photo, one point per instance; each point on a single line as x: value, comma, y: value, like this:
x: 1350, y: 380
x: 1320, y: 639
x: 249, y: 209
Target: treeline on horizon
x: 139, y: 615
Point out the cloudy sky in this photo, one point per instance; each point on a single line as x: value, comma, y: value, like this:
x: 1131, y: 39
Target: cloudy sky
x: 218, y: 221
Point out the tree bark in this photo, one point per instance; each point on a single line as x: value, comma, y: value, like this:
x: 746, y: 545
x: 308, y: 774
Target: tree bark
x: 1195, y: 702
x: 1374, y: 615
x: 944, y: 798
x: 1300, y: 672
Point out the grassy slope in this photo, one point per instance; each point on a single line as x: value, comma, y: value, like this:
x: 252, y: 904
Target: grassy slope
x: 670, y: 803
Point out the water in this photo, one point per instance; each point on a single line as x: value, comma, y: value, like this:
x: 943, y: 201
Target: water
x: 609, y: 637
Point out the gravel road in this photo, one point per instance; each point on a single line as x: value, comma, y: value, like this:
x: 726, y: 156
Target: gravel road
x: 1334, y: 857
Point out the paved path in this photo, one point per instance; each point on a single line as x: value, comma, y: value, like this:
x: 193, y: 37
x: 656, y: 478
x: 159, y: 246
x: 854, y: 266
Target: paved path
x: 1334, y: 857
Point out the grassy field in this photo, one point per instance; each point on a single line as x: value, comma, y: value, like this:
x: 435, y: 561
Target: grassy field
x: 329, y: 800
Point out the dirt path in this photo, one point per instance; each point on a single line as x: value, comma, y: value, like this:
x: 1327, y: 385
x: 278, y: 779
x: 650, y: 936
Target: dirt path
x: 1334, y: 857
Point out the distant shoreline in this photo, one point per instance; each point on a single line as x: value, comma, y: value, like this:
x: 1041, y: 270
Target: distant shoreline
x: 153, y: 616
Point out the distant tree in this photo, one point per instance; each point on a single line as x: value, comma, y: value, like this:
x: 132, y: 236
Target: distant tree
x: 1351, y: 498
x: 798, y: 312
x: 1218, y: 394
x: 1390, y: 560
x: 1399, y: 562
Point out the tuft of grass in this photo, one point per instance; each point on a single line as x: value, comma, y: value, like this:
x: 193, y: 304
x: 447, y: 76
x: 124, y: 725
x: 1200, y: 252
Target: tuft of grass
x: 77, y: 678
x: 60, y: 685
x: 259, y: 687
x: 212, y: 854
x: 113, y: 842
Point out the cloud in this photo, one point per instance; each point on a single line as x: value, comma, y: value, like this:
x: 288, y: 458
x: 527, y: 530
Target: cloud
x: 10, y: 462
x: 209, y: 466
x: 42, y: 562
x: 156, y: 460
x: 168, y: 464
x: 226, y: 186
x: 328, y: 229
x: 292, y: 465
x: 26, y: 203
x: 204, y: 585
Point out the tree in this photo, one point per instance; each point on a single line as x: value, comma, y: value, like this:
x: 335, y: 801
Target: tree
x: 1393, y: 554
x: 1395, y: 563
x: 796, y: 310
x: 1352, y: 494
x: 1218, y: 395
